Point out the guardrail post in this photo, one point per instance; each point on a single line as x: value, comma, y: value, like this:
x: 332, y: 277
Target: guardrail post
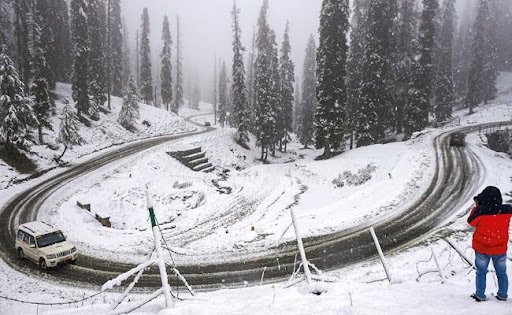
x: 381, y: 255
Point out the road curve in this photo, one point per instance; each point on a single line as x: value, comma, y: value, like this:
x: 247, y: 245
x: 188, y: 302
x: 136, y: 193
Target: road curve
x: 452, y: 185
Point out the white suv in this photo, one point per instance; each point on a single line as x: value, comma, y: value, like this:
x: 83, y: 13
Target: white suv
x: 44, y: 244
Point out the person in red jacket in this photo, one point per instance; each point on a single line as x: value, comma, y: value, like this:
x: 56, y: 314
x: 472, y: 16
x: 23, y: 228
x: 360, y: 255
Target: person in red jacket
x: 491, y: 218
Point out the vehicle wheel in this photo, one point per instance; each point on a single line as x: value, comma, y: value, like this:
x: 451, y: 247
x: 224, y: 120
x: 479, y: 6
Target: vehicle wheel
x: 21, y: 254
x: 73, y: 261
x: 42, y: 264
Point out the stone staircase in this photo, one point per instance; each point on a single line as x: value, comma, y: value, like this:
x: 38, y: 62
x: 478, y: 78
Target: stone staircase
x: 194, y: 159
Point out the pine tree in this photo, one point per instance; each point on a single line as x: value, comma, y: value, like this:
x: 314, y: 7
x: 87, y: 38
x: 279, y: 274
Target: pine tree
x: 117, y: 59
x: 80, y: 40
x: 129, y: 113
x: 263, y: 87
x: 6, y: 27
x: 39, y: 24
x: 16, y: 113
x: 166, y: 72
x: 297, y: 105
x: 57, y: 38
x: 146, y: 80
x: 223, y: 94
x: 421, y: 92
x: 69, y: 130
x: 239, y: 91
x: 425, y: 80
x: 462, y: 54
x: 276, y: 131
x: 178, y: 92
x: 42, y: 102
x: 406, y: 50
x: 476, y: 81
x: 306, y: 128
x: 287, y: 76
x: 21, y: 9
x: 96, y: 23
x: 354, y: 65
x: 445, y: 96
x: 491, y: 59
x: 250, y: 86
x: 331, y: 113
x: 376, y: 109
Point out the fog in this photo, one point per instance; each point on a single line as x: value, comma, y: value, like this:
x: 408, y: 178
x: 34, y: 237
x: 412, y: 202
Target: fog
x: 206, y: 30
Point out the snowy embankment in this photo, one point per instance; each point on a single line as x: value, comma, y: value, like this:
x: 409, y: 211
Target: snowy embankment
x: 104, y: 133
x: 201, y: 221
x: 259, y: 197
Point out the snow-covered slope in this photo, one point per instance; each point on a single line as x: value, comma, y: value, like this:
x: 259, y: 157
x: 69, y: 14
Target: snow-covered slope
x: 102, y: 134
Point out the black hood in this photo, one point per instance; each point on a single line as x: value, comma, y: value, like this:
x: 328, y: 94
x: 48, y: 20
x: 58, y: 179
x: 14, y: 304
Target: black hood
x: 490, y: 196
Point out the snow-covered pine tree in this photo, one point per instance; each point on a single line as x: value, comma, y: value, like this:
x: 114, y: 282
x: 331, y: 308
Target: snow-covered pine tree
x: 406, y: 51
x: 223, y: 94
x: 238, y: 89
x: 491, y: 56
x: 38, y: 22
x: 276, y: 131
x: 476, y: 81
x: 116, y: 47
x: 331, y: 113
x: 178, y: 90
x: 56, y: 37
x: 462, y: 53
x: 96, y: 24
x: 263, y: 86
x: 166, y: 72
x: 80, y: 40
x: 376, y: 108
x: 69, y: 129
x: 16, y: 113
x: 21, y: 9
x: 425, y: 79
x: 504, y: 12
x: 42, y: 102
x: 287, y: 76
x: 306, y: 127
x: 6, y: 34
x: 145, y: 77
x: 296, y: 105
x: 354, y: 64
x: 129, y: 113
x: 251, y: 111
x: 445, y: 96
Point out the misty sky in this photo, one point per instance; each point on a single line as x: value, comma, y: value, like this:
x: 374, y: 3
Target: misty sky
x: 206, y: 29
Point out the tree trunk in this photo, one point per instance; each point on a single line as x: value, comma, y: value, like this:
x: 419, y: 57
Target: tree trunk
x: 40, y: 132
x: 327, y: 150
x: 63, y: 152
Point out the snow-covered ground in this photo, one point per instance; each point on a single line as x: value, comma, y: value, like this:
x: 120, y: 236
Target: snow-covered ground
x: 104, y: 133
x: 254, y: 216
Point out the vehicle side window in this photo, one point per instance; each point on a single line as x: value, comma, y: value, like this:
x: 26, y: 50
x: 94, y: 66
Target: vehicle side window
x: 20, y: 235
x: 31, y: 240
x: 25, y: 237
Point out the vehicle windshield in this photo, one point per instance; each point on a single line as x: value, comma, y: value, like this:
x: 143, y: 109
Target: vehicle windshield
x: 50, y: 239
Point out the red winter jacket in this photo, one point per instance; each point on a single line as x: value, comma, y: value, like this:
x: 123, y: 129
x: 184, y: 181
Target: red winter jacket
x: 491, y: 234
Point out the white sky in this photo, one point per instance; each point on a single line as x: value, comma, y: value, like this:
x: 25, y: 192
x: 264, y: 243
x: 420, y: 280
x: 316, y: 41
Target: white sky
x: 206, y: 27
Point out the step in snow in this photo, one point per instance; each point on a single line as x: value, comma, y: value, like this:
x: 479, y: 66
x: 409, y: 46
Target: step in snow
x: 208, y: 170
x: 197, y: 162
x: 202, y: 167
x: 189, y: 152
x: 195, y: 156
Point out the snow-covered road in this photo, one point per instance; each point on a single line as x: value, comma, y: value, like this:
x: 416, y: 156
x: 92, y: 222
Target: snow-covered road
x: 453, y: 185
